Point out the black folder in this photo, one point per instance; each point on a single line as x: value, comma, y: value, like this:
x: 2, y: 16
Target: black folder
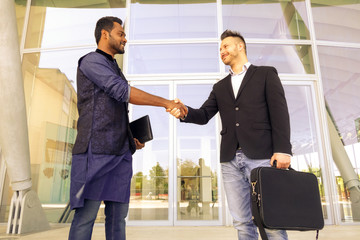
x: 141, y: 129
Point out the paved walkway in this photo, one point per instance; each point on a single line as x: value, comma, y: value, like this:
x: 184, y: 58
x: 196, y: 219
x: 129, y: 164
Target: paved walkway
x: 351, y: 232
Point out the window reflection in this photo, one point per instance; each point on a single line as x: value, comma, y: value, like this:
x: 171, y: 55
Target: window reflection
x: 343, y: 25
x: 267, y: 19
x: 304, y: 138
x: 196, y: 161
x: 52, y: 117
x: 285, y: 58
x: 64, y: 62
x: 341, y: 77
x: 149, y: 199
x: 67, y: 23
x: 173, y: 58
x: 173, y: 19
x: 20, y: 8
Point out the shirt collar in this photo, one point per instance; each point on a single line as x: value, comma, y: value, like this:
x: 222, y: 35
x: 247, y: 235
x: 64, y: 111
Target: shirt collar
x: 108, y: 56
x: 245, y: 68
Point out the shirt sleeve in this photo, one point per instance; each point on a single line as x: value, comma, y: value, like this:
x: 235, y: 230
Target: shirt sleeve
x: 100, y: 71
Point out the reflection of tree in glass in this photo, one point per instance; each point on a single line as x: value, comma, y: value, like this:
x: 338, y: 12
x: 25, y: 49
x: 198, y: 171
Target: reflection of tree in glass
x: 138, y: 181
x: 158, y: 176
x: 189, y: 171
x: 190, y: 175
x: 188, y: 168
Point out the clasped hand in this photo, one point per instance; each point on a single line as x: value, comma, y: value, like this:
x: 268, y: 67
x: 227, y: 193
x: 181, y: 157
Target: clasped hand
x: 177, y: 109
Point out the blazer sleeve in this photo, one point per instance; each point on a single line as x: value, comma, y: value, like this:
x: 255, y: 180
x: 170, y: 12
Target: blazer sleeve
x: 278, y: 113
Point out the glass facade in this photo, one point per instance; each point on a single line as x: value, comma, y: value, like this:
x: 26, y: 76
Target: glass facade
x: 173, y: 58
x: 173, y: 51
x: 151, y: 166
x: 152, y: 19
x: 341, y: 84
x: 267, y: 19
x: 342, y: 26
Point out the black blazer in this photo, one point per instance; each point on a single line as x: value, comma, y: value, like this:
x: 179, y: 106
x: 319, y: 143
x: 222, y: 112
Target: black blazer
x: 257, y: 120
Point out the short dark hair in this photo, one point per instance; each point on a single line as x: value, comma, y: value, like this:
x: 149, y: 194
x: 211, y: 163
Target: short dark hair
x: 106, y: 23
x: 229, y: 33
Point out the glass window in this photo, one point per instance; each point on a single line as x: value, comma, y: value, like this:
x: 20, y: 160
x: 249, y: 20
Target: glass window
x: 267, y: 19
x: 149, y: 198
x: 341, y: 77
x: 285, y: 58
x: 65, y: 61
x: 337, y: 20
x: 304, y: 138
x: 52, y: 117
x: 67, y: 23
x: 173, y: 58
x: 172, y: 19
x: 197, y: 161
x: 20, y: 8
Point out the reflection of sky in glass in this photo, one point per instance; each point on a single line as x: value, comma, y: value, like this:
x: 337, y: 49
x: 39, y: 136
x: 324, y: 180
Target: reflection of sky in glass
x: 285, y: 58
x: 156, y: 150
x: 337, y: 22
x: 169, y: 21
x: 65, y: 27
x: 341, y: 82
x: 66, y: 61
x: 71, y: 27
x: 197, y: 141
x: 302, y: 119
x: 267, y: 20
x: 173, y: 58
x: 304, y: 139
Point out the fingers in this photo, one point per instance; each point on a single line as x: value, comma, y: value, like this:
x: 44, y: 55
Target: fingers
x: 138, y: 144
x: 175, y: 112
x: 177, y: 109
x: 282, y: 160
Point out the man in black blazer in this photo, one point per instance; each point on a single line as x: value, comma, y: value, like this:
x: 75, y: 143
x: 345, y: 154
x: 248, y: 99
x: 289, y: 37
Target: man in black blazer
x: 255, y: 127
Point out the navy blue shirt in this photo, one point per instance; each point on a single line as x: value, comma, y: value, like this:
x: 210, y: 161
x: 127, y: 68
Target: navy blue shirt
x: 103, y: 93
x: 105, y: 73
x: 102, y: 159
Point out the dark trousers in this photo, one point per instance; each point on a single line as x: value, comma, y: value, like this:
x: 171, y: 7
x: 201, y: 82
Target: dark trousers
x: 84, y: 219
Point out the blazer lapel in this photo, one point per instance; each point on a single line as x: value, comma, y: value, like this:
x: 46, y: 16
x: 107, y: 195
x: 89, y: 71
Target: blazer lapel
x: 246, y: 79
x: 229, y: 87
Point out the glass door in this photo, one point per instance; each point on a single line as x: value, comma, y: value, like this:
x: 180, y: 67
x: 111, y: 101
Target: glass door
x: 197, y: 186
x: 305, y: 137
x: 175, y: 177
x: 151, y: 198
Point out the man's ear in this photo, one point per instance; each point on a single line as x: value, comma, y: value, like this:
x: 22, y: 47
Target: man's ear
x: 240, y: 46
x: 104, y: 34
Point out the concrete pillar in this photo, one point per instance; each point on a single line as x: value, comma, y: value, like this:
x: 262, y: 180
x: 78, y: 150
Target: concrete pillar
x: 14, y: 140
x: 25, y: 214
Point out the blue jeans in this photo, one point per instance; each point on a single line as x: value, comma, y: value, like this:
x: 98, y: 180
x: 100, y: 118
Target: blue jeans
x: 236, y: 178
x: 84, y: 219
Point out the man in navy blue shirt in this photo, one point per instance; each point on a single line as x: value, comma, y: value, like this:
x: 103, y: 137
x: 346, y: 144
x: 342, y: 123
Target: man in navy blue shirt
x: 102, y: 154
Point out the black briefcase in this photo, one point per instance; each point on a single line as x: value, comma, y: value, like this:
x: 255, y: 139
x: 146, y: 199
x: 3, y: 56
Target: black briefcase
x: 285, y: 199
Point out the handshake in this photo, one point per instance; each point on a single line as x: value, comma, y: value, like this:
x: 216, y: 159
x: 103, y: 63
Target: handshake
x: 177, y: 109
